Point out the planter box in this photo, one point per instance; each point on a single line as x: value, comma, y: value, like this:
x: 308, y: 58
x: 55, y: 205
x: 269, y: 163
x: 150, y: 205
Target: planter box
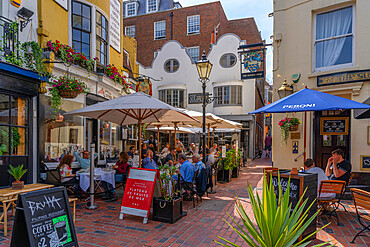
x: 167, y: 211
x: 224, y: 175
x: 18, y: 185
x: 235, y: 172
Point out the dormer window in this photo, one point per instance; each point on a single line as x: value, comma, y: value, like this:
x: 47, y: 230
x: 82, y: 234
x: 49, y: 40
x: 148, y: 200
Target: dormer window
x: 152, y: 6
x: 131, y: 9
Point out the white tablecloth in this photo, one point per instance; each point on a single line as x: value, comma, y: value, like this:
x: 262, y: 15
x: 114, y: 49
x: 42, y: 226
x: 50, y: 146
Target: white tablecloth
x: 99, y: 175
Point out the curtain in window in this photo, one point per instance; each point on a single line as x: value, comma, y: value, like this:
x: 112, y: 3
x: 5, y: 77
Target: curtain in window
x: 329, y: 25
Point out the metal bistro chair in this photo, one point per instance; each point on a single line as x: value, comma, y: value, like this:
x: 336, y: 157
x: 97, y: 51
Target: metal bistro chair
x: 192, y: 190
x: 361, y: 199
x: 331, y: 186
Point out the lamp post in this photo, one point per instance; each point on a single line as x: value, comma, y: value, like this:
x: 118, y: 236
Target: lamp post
x: 204, y: 68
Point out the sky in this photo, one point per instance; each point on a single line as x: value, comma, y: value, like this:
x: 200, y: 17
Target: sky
x: 259, y: 9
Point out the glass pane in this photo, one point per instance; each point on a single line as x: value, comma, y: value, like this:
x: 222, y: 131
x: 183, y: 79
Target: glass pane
x: 86, y: 50
x: 239, y: 95
x: 98, y: 30
x: 182, y: 101
x: 4, y: 140
x: 168, y: 100
x: 227, y: 95
x: 104, y: 140
x: 86, y: 24
x: 160, y: 95
x: 4, y: 109
x: 86, y: 11
x: 232, y: 60
x: 219, y: 95
x: 76, y: 21
x: 76, y: 8
x: 18, y: 141
x: 334, y: 23
x: 327, y: 56
x: 233, y: 95
x: 341, y: 142
x: 86, y: 38
x: 19, y: 111
x: 76, y: 46
x: 76, y: 35
x: 98, y: 18
x: 104, y: 22
x: 65, y: 134
x: 223, y: 61
x: 116, y: 142
x: 326, y: 140
x: 104, y: 34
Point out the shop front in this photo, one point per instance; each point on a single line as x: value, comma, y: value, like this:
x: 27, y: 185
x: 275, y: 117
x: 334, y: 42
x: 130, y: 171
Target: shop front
x: 18, y: 121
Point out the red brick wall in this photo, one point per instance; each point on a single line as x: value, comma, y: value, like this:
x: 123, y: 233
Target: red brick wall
x: 211, y: 14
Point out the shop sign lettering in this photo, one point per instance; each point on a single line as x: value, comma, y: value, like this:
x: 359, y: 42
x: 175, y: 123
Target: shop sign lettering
x: 344, y: 77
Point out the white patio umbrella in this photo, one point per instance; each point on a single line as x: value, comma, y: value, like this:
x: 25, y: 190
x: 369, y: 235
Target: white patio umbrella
x: 137, y: 108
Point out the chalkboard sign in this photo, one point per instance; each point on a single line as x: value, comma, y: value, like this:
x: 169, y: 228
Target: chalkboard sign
x: 45, y: 217
x: 334, y: 126
x: 295, y: 188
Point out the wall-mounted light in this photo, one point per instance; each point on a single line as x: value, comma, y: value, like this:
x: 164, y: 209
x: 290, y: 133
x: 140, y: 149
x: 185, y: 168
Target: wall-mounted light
x: 59, y: 118
x: 42, y: 88
x: 25, y: 15
x: 271, y: 14
x: 285, y: 90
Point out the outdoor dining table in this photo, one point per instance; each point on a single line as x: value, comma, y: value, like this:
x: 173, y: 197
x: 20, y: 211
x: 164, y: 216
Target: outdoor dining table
x: 106, y: 175
x: 8, y: 198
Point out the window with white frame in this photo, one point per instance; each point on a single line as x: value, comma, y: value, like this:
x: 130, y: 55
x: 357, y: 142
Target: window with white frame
x: 193, y: 24
x: 228, y: 60
x: 228, y: 95
x: 333, y: 39
x: 174, y: 97
x: 151, y: 6
x: 101, y: 38
x: 81, y: 27
x: 171, y: 65
x: 131, y: 9
x: 130, y: 31
x: 194, y: 53
x: 160, y: 30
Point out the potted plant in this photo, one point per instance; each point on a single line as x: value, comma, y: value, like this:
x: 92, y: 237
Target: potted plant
x: 167, y: 208
x: 17, y: 173
x: 226, y: 167
x: 65, y: 87
x: 288, y: 124
x: 274, y: 222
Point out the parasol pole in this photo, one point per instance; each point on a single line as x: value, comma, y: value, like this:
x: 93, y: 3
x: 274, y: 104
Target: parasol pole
x: 157, y: 139
x: 304, y: 136
x: 213, y: 137
x: 175, y: 124
x: 169, y: 138
x: 208, y: 134
x: 140, y: 142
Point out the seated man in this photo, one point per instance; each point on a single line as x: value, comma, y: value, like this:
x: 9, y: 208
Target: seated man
x: 149, y: 162
x: 187, y: 171
x: 337, y: 167
x: 170, y: 158
x: 85, y: 159
x: 132, y: 151
x: 309, y: 166
x: 198, y: 164
x: 210, y: 158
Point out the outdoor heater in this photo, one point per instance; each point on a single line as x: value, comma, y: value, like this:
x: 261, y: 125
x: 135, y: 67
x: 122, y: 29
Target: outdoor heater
x: 204, y: 68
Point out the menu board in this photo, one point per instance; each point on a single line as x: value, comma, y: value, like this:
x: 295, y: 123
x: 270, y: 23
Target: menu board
x: 334, y: 125
x: 294, y: 190
x: 45, y: 217
x: 139, y: 193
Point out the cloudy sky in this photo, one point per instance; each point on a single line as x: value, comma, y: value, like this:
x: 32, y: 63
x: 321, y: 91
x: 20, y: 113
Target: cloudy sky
x: 259, y: 9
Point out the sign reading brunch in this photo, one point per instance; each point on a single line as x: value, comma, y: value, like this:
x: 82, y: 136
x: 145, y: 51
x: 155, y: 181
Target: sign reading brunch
x: 138, y: 193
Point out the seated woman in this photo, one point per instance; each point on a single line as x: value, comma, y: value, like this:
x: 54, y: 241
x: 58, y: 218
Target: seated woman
x: 121, y: 168
x: 65, y: 170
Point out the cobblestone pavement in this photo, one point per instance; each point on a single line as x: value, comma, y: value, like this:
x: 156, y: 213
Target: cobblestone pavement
x: 200, y: 227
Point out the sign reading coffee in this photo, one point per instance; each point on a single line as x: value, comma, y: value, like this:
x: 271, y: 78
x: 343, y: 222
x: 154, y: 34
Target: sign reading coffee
x: 334, y: 126
x: 45, y: 217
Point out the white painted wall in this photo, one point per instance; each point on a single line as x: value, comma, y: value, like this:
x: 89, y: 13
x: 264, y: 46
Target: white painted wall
x: 187, y: 76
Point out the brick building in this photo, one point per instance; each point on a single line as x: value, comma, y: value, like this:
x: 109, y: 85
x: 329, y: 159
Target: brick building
x: 171, y: 38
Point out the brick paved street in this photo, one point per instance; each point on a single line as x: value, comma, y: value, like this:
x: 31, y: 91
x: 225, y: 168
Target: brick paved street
x: 200, y: 227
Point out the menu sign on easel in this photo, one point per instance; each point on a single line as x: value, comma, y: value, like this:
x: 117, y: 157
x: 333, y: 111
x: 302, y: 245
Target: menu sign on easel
x: 138, y: 193
x: 43, y: 219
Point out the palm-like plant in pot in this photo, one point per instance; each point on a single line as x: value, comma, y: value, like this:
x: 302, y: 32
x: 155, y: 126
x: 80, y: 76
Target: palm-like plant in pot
x: 17, y: 173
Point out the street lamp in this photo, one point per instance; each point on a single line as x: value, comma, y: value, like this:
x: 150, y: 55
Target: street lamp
x: 285, y: 90
x: 204, y: 68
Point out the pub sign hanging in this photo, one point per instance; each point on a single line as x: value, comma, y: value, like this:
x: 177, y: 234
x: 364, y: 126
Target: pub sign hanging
x: 252, y: 64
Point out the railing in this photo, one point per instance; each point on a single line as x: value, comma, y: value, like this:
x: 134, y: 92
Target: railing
x: 9, y: 37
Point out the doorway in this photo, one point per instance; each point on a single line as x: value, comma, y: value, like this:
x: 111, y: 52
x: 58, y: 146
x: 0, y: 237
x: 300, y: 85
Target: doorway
x: 325, y: 143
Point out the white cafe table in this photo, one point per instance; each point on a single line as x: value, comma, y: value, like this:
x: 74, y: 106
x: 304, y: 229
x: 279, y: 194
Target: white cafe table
x: 106, y: 175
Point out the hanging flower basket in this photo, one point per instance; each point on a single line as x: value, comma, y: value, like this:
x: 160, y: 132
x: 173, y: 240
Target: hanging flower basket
x: 65, y: 87
x: 68, y: 94
x: 287, y: 125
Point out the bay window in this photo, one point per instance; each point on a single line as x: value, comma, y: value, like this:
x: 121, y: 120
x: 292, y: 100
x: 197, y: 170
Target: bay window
x: 174, y: 97
x: 228, y: 95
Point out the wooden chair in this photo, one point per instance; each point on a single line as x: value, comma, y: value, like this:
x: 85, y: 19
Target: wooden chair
x: 349, y: 181
x: 331, y: 186
x: 268, y: 170
x: 361, y: 199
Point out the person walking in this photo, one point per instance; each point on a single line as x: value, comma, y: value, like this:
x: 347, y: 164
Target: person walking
x: 268, y: 143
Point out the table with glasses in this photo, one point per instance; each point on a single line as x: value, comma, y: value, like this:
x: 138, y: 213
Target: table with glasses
x: 100, y: 174
x: 8, y: 198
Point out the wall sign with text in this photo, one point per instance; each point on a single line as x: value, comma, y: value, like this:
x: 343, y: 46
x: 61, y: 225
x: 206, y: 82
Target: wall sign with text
x: 196, y: 98
x: 343, y: 77
x: 365, y: 162
x: 334, y: 125
x: 252, y: 64
x: 115, y: 25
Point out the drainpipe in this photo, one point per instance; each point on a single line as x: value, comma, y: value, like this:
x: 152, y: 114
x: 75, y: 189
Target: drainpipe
x: 171, y: 15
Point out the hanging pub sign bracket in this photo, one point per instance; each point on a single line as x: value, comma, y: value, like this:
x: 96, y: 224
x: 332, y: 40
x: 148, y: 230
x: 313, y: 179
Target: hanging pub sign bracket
x: 252, y: 59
